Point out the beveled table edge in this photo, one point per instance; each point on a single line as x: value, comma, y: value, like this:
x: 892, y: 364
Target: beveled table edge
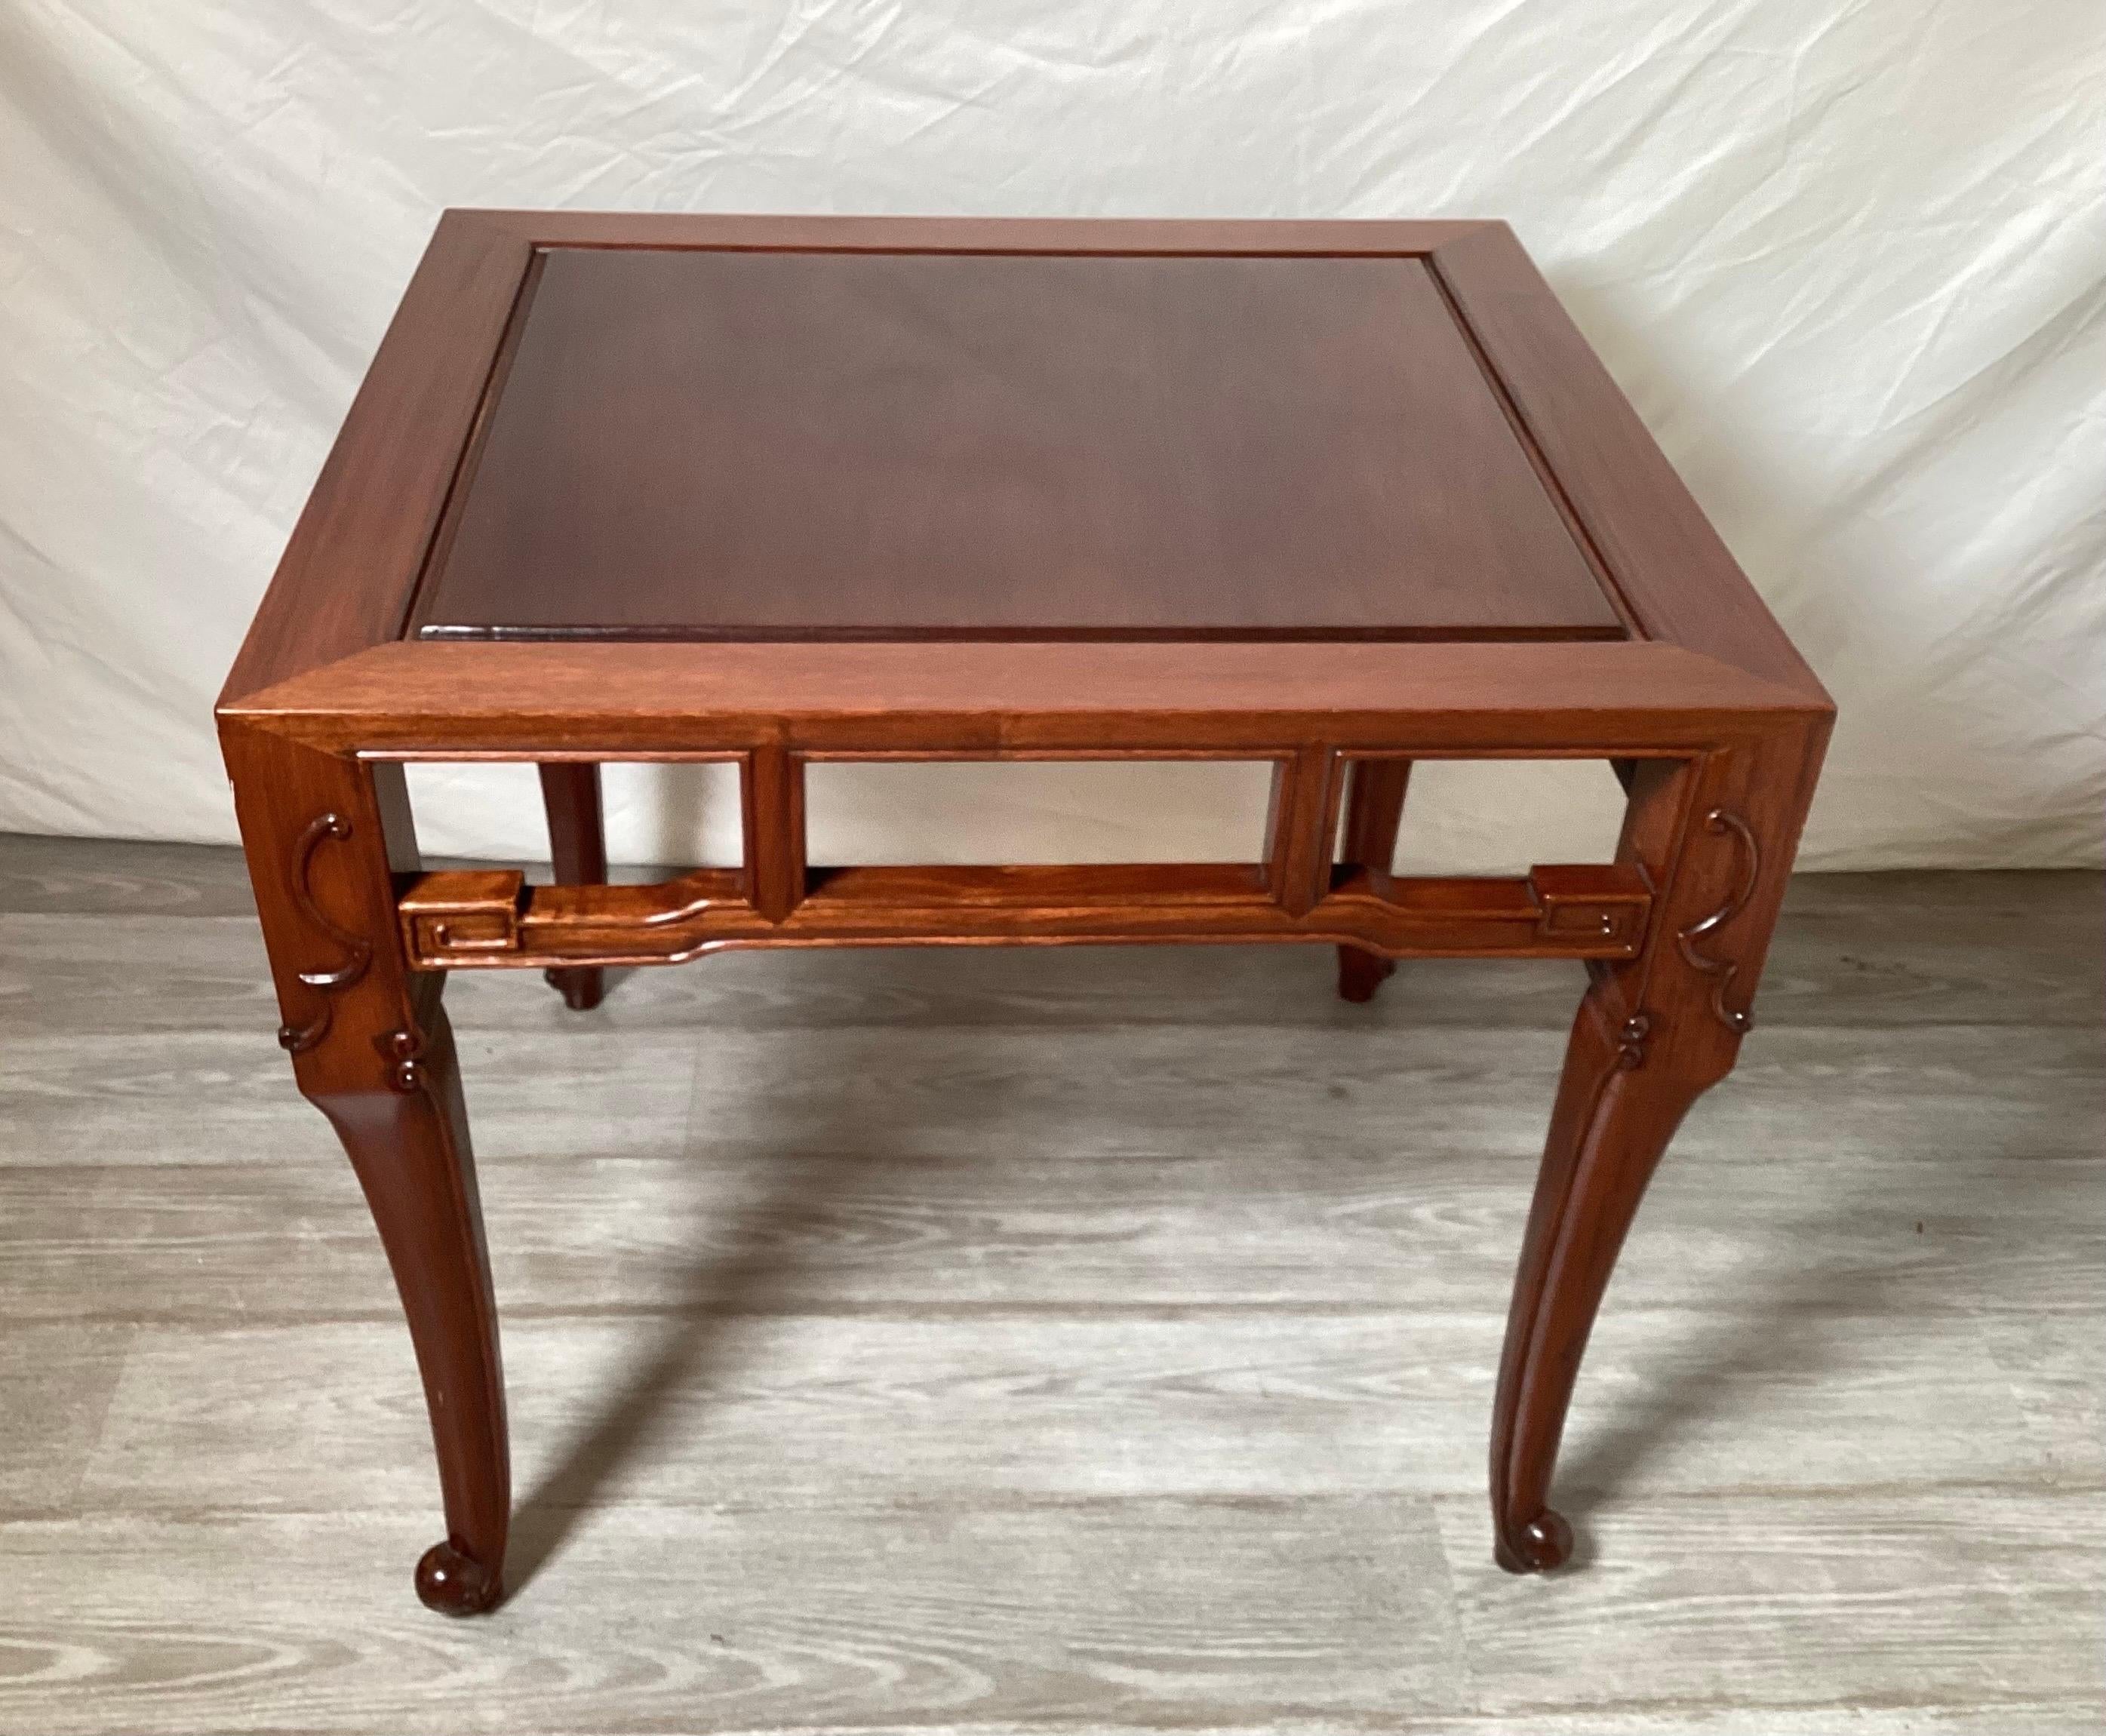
x: 410, y: 697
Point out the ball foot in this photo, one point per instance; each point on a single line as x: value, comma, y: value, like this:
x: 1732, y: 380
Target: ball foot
x: 1361, y: 974
x: 456, y: 1584
x: 1545, y: 1542
x: 582, y: 985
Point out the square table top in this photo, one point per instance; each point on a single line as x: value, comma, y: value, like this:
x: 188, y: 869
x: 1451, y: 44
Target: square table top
x: 699, y: 445
x: 659, y: 483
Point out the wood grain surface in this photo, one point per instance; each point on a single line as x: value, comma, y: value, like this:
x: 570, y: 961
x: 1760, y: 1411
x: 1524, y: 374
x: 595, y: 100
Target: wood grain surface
x: 1057, y: 1341
x: 713, y: 444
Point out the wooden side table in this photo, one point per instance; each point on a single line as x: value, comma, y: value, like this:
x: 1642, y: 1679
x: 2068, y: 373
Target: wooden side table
x: 1339, y: 496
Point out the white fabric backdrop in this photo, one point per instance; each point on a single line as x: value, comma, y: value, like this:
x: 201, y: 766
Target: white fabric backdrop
x: 1848, y: 256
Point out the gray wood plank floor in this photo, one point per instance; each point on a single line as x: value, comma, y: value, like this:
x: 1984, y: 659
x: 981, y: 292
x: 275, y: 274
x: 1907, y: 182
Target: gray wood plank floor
x: 990, y: 1342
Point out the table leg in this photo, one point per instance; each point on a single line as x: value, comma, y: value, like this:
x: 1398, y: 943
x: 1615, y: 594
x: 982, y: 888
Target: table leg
x: 409, y: 1146
x: 577, y: 843
x: 1651, y: 1035
x: 372, y: 1049
x: 1374, y: 810
x: 1617, y: 1105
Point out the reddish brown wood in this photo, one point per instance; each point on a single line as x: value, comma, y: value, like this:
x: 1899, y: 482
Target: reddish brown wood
x: 1668, y: 566
x: 995, y: 700
x: 1717, y: 833
x: 577, y: 846
x: 698, y: 444
x: 968, y: 485
x: 484, y: 919
x: 372, y: 1050
x: 346, y: 577
x: 1299, y: 825
x: 1233, y: 236
x: 772, y: 800
x: 1374, y: 811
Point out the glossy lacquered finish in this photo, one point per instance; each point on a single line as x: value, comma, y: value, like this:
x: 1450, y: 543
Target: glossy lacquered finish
x: 700, y: 444
x: 775, y: 490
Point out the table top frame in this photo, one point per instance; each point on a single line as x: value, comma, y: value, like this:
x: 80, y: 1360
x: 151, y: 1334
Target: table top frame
x: 326, y: 661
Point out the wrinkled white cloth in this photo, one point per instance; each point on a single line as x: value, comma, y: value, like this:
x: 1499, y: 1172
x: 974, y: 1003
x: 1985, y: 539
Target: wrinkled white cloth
x: 1848, y: 256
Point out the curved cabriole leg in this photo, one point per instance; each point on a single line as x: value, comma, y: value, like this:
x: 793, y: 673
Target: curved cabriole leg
x: 1374, y: 811
x: 325, y: 837
x: 409, y: 1144
x: 577, y: 846
x: 1716, y: 833
x: 1622, y: 1095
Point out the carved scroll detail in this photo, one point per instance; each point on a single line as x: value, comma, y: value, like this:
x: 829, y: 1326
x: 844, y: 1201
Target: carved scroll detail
x: 1721, y: 971
x: 357, y: 953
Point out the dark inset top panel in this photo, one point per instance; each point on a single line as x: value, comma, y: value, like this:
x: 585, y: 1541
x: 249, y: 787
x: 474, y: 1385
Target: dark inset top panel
x: 726, y: 445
